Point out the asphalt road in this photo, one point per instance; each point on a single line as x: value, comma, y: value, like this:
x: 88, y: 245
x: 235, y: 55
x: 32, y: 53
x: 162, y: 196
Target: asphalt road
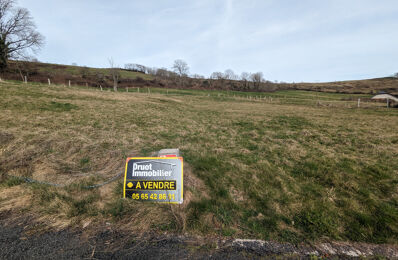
x: 23, y: 238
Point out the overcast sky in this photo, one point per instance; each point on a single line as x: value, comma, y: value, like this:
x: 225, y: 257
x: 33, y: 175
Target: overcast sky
x: 306, y: 40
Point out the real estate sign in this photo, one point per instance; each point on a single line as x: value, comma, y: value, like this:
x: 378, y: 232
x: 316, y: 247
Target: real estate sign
x: 158, y: 179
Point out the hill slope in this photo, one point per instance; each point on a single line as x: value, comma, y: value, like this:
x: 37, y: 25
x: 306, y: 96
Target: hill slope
x: 62, y: 74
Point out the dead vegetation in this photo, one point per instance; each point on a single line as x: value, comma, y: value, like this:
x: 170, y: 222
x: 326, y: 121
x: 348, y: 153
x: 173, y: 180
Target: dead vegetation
x: 281, y: 168
x: 103, y: 78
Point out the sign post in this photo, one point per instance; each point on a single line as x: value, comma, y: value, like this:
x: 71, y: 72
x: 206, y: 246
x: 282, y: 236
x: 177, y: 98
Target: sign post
x: 156, y: 179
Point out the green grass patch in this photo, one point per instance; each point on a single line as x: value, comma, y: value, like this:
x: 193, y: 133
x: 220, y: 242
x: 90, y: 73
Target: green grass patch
x: 13, y: 181
x: 285, y: 169
x: 57, y: 107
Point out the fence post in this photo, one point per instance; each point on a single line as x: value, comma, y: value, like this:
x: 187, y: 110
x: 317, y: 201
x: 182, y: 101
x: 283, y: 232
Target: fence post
x: 127, y: 89
x: 69, y: 83
x: 49, y: 82
x: 101, y: 87
x: 359, y: 102
x: 25, y: 79
x: 138, y: 90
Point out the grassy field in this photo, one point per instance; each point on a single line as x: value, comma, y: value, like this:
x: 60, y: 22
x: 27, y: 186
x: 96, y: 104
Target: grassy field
x: 74, y: 70
x: 287, y: 166
x: 78, y: 71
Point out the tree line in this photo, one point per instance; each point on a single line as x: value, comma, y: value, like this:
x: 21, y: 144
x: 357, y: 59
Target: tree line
x: 178, y: 75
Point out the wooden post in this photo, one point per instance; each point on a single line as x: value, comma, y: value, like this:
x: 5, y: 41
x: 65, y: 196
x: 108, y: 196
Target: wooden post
x: 359, y: 102
x: 167, y: 92
x: 86, y: 85
x: 69, y: 83
x: 101, y: 87
x: 388, y: 102
x: 127, y: 89
x: 49, y: 82
x: 138, y: 90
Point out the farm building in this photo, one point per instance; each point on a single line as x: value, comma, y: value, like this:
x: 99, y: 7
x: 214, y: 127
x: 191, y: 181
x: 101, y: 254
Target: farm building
x: 387, y: 97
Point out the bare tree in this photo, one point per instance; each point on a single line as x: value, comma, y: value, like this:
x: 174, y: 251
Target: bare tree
x: 114, y: 71
x: 23, y: 66
x: 162, y: 73
x: 130, y: 66
x: 245, y: 77
x: 218, y: 77
x: 18, y: 33
x: 164, y: 76
x: 100, y: 78
x: 135, y: 67
x: 230, y: 74
x: 151, y: 71
x: 181, y: 68
x: 257, y: 78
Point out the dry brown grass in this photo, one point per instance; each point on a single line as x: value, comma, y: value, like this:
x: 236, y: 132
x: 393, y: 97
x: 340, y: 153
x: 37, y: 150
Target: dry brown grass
x: 253, y: 168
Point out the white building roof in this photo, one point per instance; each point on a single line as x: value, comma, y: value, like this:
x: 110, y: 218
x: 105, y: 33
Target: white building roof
x: 385, y: 96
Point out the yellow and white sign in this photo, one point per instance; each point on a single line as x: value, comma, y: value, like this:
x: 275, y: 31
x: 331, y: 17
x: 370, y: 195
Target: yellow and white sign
x: 157, y: 179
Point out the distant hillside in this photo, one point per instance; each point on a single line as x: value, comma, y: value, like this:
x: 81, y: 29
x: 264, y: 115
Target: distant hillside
x: 95, y: 77
x: 78, y: 75
x: 367, y: 86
